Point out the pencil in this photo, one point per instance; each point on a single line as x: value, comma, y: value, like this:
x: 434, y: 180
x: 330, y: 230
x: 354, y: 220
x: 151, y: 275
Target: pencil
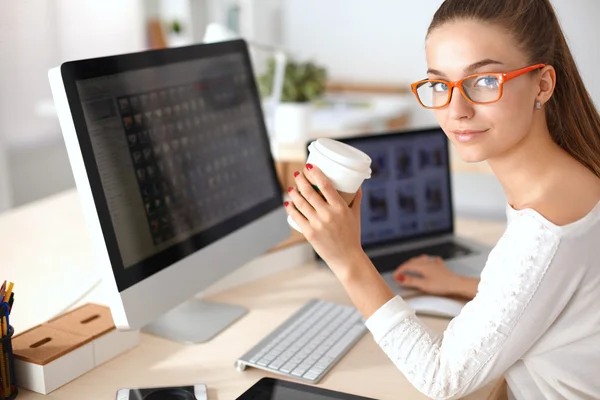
x: 11, y: 301
x: 8, y: 291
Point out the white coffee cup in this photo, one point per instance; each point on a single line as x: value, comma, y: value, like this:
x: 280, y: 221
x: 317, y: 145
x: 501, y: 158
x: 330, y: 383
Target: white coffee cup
x: 345, y: 166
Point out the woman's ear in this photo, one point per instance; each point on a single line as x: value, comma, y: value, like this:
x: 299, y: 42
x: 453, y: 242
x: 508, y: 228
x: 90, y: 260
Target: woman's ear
x: 547, y: 84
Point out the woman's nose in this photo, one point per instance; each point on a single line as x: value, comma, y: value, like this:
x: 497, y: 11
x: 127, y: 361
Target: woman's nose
x: 459, y: 107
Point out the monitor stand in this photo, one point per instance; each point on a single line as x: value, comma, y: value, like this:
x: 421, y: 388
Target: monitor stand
x: 195, y: 321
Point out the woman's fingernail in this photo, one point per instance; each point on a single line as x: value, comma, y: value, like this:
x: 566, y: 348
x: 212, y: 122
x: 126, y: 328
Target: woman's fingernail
x: 401, y: 278
x: 309, y: 166
x: 287, y: 203
x: 290, y: 189
x: 296, y: 174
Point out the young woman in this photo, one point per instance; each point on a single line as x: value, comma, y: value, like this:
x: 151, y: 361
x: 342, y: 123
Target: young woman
x: 504, y: 87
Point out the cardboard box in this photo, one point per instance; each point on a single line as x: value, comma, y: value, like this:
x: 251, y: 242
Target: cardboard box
x: 47, y: 358
x: 62, y: 349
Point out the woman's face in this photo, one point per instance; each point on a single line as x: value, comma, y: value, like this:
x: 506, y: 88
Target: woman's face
x: 481, y: 131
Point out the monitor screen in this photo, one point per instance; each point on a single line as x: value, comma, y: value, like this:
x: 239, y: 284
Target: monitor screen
x: 408, y: 194
x: 181, y: 153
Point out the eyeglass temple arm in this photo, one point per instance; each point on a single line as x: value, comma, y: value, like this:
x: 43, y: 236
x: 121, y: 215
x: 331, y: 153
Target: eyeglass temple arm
x: 511, y: 75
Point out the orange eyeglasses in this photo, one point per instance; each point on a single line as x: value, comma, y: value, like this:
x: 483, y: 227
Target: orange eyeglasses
x: 482, y: 88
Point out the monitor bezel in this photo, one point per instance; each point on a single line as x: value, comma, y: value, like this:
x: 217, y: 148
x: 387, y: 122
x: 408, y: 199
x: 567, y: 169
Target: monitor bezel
x: 74, y: 71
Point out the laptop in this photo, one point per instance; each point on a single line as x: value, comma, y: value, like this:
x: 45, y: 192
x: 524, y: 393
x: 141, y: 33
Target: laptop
x: 407, y: 208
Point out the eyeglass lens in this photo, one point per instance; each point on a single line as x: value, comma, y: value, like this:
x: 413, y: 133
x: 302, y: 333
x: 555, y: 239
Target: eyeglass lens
x: 479, y: 89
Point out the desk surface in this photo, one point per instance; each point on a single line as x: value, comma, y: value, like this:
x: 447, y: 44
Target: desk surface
x: 37, y: 238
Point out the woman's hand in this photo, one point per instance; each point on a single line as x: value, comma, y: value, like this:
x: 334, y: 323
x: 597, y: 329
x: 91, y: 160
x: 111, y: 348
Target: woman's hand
x: 432, y: 276
x: 328, y: 223
x: 333, y: 229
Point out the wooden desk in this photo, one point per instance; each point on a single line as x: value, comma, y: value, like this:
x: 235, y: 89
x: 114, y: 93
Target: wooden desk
x: 365, y: 370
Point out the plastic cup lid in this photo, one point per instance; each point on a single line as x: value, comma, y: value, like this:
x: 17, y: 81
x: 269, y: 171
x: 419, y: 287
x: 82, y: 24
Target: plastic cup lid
x: 343, y: 154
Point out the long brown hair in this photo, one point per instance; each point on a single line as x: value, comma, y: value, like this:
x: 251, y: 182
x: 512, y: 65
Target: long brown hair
x: 572, y: 118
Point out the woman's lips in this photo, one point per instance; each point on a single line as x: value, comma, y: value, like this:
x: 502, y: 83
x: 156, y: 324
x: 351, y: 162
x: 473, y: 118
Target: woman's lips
x: 467, y: 135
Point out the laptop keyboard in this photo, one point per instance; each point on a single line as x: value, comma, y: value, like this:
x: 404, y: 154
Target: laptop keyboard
x: 389, y: 262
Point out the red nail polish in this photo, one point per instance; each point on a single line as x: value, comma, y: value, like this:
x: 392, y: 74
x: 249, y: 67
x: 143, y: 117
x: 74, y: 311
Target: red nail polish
x: 309, y: 166
x: 296, y: 174
x: 290, y: 189
x: 287, y: 203
x: 401, y: 278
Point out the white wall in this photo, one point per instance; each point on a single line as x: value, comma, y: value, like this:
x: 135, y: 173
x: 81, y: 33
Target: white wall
x: 383, y: 40
x: 26, y: 43
x: 375, y: 40
x: 6, y: 198
x: 259, y: 21
x: 5, y: 195
x: 36, y: 35
x: 27, y: 49
x: 39, y: 171
x: 91, y: 28
x: 581, y: 27
x: 40, y: 34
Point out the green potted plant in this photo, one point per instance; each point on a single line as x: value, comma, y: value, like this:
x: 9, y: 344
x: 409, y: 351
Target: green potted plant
x: 303, y: 83
x: 176, y: 34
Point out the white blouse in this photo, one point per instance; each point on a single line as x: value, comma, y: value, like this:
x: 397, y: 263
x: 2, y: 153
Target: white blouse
x: 535, y: 319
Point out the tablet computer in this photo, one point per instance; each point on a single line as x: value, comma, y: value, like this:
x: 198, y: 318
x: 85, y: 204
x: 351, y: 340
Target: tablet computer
x: 275, y: 389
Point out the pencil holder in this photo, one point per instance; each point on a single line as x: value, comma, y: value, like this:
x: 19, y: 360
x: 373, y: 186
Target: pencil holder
x: 7, y: 368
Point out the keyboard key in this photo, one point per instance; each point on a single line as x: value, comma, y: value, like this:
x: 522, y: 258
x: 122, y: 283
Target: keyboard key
x: 323, y: 362
x: 301, y: 369
x: 340, y: 346
x: 263, y: 362
x: 287, y: 368
x: 311, y: 375
x: 317, y: 370
x: 277, y: 364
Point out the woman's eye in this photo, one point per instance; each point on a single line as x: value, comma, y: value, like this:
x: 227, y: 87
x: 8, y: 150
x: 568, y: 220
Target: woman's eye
x: 438, y: 86
x: 487, y: 82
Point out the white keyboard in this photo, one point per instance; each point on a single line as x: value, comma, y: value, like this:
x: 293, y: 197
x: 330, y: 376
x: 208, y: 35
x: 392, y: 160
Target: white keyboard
x: 309, y: 343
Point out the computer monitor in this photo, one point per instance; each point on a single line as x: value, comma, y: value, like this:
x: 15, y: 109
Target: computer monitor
x: 173, y: 168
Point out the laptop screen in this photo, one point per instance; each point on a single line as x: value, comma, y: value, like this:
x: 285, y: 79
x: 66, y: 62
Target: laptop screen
x: 408, y: 195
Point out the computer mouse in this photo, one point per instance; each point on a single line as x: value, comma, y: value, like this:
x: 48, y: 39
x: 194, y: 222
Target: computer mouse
x: 437, y: 306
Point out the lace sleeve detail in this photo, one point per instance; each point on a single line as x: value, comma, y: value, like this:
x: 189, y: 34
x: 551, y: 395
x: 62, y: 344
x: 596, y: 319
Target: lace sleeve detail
x: 514, y: 306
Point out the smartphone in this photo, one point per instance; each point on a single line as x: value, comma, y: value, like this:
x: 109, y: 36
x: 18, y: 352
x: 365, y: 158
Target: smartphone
x: 192, y: 392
